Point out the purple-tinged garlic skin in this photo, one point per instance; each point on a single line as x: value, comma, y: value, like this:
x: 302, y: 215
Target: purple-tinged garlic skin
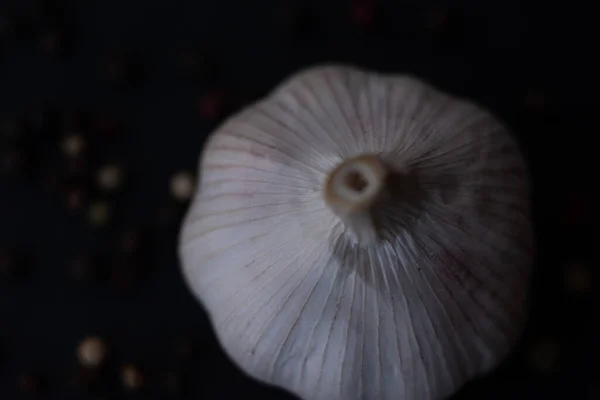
x: 404, y: 276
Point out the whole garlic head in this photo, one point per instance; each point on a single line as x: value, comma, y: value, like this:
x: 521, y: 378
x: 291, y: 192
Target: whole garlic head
x: 361, y: 236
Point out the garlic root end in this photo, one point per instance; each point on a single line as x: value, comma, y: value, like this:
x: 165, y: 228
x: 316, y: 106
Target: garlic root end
x: 351, y: 191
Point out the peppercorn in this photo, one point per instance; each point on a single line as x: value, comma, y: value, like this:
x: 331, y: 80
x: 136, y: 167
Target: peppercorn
x: 436, y: 17
x: 88, y: 380
x: 535, y: 100
x: 578, y: 277
x: 53, y: 180
x: 183, y: 186
x: 85, y: 268
x: 185, y: 347
x: 121, y: 68
x: 212, y: 105
x: 54, y: 39
x: 110, y: 178
x: 576, y: 209
x: 199, y: 61
x: 173, y: 382
x: 132, y: 242
x: 92, y: 352
x: 76, y: 198
x: 100, y: 213
x: 74, y: 145
x: 132, y: 377
x: 447, y: 25
x: 363, y: 13
x: 30, y: 384
x: 105, y: 124
x: 544, y: 355
x: 190, y: 59
x: 169, y: 215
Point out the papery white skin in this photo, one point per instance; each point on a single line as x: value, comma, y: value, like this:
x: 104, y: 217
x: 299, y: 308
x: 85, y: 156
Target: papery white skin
x: 297, y: 303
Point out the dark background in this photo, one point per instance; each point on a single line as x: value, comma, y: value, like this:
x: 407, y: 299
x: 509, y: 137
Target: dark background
x: 145, y: 82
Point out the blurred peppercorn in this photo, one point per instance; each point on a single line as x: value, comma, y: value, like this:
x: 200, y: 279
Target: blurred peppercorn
x: 76, y: 199
x: 85, y: 267
x: 121, y: 68
x: 173, y: 382
x: 30, y: 384
x: 132, y: 377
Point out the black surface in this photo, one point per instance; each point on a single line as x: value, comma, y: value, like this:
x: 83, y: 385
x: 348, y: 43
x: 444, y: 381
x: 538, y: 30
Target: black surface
x: 491, y: 51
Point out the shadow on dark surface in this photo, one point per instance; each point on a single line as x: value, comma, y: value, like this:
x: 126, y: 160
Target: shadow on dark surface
x: 528, y: 61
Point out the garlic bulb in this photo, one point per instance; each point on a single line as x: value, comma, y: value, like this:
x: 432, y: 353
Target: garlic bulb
x: 361, y: 236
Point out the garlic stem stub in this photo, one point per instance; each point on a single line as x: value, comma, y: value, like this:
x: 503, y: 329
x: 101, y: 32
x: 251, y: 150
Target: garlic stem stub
x: 357, y: 235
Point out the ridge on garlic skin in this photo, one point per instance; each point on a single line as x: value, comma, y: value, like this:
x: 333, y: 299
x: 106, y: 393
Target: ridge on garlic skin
x: 422, y: 291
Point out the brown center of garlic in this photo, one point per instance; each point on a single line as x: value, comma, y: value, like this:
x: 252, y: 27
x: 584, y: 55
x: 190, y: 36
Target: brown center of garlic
x: 352, y: 190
